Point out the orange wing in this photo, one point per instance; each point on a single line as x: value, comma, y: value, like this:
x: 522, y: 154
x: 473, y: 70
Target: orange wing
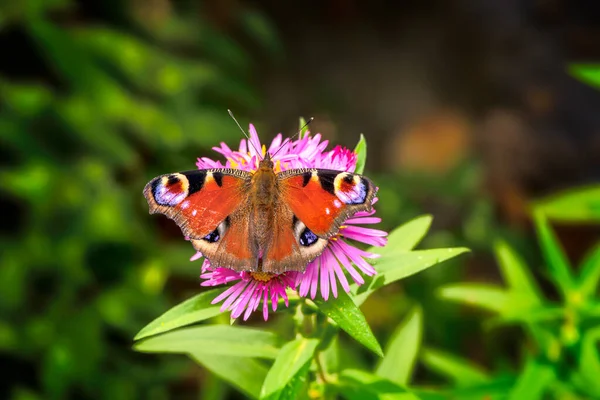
x: 324, y: 199
x: 198, y: 201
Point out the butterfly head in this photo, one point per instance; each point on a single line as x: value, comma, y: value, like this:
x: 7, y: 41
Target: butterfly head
x: 266, y: 162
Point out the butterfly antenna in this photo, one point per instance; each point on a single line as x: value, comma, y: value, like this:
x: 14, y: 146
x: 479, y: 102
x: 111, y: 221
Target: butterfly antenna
x: 243, y: 131
x: 293, y: 137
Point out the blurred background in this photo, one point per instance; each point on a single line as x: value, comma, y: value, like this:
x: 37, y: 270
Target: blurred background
x: 468, y: 108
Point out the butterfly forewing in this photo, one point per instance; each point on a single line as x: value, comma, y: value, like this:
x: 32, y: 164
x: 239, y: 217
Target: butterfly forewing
x: 324, y: 199
x: 198, y: 201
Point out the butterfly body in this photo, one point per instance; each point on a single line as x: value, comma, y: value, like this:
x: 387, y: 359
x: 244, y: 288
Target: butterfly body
x: 262, y: 221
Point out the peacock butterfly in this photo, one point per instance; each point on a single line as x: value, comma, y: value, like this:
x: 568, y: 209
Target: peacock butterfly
x: 260, y: 221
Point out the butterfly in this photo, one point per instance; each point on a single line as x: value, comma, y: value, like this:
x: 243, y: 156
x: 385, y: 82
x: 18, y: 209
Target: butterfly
x: 260, y: 221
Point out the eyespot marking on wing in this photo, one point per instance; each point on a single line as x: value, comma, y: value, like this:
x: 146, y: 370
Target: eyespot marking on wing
x: 351, y: 189
x: 304, y: 236
x: 170, y: 190
x: 218, y: 233
x: 307, y: 238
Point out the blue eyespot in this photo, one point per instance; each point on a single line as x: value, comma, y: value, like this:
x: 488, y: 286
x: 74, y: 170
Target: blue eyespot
x: 307, y: 237
x: 213, y: 236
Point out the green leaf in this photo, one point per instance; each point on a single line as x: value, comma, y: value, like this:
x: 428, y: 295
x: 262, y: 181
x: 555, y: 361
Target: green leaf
x: 303, y: 127
x: 361, y: 385
x: 460, y: 371
x: 590, y: 272
x: 195, y: 309
x: 402, y: 349
x: 406, y: 236
x: 361, y: 154
x: 589, y: 361
x: 586, y: 73
x: 532, y: 382
x: 395, y: 266
x: 285, y: 377
x: 489, y: 297
x: 246, y: 374
x: 558, y: 264
x: 214, y: 339
x: 496, y: 389
x: 516, y: 272
x: 330, y: 357
x: 348, y: 316
x: 577, y: 205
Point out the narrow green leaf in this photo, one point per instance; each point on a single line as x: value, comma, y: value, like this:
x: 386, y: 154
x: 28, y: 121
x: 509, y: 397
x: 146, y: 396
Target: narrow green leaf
x: 246, y: 374
x: 590, y: 272
x: 532, y: 382
x: 303, y: 127
x: 290, y: 365
x: 459, y: 371
x: 401, y: 352
x: 395, y: 266
x: 589, y: 361
x: 349, y: 317
x: 213, y: 339
x: 558, y: 264
x: 361, y: 385
x: 577, y: 205
x: 495, y: 389
x: 586, y: 73
x: 516, y: 272
x: 330, y: 357
x: 489, y: 297
x: 195, y: 309
x: 406, y: 236
x: 361, y: 154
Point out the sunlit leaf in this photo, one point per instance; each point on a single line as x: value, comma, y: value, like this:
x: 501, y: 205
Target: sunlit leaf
x: 361, y: 385
x: 589, y: 361
x: 286, y: 376
x: 590, y: 272
x: 348, y: 317
x: 516, y: 272
x: 395, y: 266
x: 576, y: 205
x: 213, y: 339
x: 407, y: 236
x: 195, y: 309
x: 587, y: 73
x: 532, y: 382
x: 459, y: 371
x: 361, y: 154
x: 558, y: 265
x: 402, y: 349
x: 489, y: 297
x: 244, y: 373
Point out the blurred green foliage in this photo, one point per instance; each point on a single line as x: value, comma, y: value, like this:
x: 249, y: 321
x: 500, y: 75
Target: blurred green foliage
x: 94, y: 102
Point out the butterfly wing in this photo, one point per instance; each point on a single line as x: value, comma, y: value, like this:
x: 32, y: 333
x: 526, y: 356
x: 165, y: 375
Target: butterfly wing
x: 209, y: 207
x: 312, y: 205
x: 289, y: 249
x: 323, y: 199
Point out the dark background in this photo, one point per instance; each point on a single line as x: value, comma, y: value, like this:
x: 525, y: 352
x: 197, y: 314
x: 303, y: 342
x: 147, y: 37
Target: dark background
x: 467, y: 106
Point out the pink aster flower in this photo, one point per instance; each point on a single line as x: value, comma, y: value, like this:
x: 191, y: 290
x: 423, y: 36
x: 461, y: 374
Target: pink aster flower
x: 340, y: 256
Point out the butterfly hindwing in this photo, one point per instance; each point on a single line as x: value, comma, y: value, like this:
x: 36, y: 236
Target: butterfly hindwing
x: 323, y: 199
x: 200, y: 200
x: 291, y: 246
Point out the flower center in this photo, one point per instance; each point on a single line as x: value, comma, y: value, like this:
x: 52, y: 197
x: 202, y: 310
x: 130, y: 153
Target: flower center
x: 262, y: 276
